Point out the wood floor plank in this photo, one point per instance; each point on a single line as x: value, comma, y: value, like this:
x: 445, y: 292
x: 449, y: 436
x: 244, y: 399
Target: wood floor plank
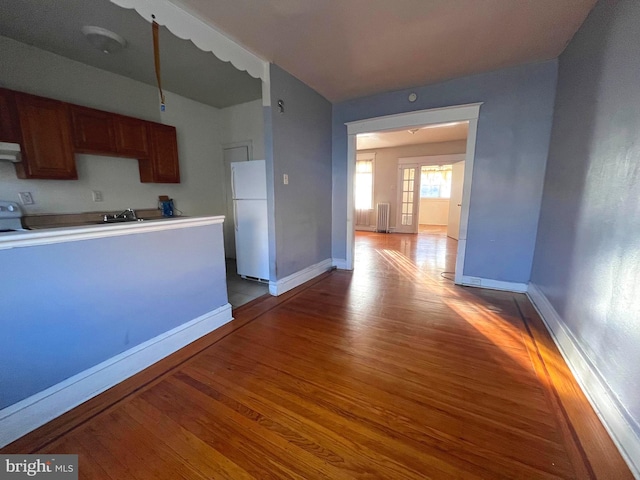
x: 573, y: 406
x: 299, y: 429
x: 90, y: 463
x: 424, y: 381
x: 388, y: 455
x: 390, y: 371
x: 389, y: 412
x: 210, y: 462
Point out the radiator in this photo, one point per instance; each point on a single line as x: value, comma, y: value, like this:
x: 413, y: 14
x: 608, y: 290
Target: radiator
x: 382, y: 225
x: 363, y: 217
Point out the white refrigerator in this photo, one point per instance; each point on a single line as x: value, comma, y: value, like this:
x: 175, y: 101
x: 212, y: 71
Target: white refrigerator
x: 249, y: 190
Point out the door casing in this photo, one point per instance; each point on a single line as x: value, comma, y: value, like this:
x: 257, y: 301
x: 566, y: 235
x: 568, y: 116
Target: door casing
x: 455, y: 201
x: 413, y: 202
x: 456, y: 113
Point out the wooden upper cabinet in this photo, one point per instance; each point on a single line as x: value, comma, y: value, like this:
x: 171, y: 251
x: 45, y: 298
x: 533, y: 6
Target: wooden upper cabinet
x: 9, y: 125
x: 93, y: 130
x: 47, y: 146
x: 51, y: 132
x: 131, y: 136
x: 163, y: 165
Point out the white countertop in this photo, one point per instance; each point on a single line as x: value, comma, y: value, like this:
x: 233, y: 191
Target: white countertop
x: 29, y: 238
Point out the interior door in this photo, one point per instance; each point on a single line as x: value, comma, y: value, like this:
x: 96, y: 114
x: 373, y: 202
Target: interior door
x: 455, y: 201
x: 408, y: 198
x: 233, y: 154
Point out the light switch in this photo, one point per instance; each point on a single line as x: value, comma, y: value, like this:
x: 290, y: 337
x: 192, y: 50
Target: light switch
x: 26, y: 198
x: 285, y: 179
x: 97, y: 196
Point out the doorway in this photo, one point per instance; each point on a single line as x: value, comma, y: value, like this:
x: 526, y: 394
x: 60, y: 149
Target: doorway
x: 408, y: 198
x: 410, y: 121
x: 430, y: 191
x: 455, y: 200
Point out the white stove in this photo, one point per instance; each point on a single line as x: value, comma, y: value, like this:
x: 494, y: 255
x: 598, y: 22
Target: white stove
x: 10, y: 217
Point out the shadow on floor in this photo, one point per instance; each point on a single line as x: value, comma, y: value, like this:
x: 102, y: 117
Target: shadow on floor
x: 239, y: 290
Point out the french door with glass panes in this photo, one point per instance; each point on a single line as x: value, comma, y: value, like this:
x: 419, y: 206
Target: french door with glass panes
x: 408, y: 198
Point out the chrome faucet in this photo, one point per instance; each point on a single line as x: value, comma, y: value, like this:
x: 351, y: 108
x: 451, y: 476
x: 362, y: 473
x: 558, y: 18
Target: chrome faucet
x: 128, y: 214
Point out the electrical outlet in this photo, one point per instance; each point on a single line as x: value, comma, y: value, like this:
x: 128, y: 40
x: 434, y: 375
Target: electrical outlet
x: 97, y: 196
x: 285, y: 179
x: 26, y: 198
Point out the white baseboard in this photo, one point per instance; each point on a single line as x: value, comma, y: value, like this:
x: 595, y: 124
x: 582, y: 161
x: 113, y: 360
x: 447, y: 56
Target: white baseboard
x: 340, y: 263
x: 295, y: 279
x: 468, y: 281
x: 595, y: 387
x: 365, y: 228
x: 21, y: 418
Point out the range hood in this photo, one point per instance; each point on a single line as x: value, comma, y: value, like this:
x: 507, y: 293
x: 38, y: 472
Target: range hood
x: 10, y: 151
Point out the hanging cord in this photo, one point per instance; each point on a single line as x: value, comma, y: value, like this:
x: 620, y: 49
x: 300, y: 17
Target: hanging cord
x: 444, y: 275
x: 156, y: 58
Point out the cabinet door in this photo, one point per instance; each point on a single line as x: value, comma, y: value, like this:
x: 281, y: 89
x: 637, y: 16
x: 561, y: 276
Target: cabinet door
x: 9, y: 124
x: 131, y: 137
x: 46, y: 139
x: 164, y: 153
x: 93, y: 130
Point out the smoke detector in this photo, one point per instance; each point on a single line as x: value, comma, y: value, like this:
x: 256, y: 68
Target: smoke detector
x: 104, y: 40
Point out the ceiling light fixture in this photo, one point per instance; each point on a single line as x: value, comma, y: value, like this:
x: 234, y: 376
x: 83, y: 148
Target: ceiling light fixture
x: 104, y: 40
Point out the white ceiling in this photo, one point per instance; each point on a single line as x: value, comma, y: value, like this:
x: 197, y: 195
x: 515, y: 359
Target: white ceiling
x: 444, y: 132
x: 54, y: 25
x: 351, y: 48
x: 341, y: 48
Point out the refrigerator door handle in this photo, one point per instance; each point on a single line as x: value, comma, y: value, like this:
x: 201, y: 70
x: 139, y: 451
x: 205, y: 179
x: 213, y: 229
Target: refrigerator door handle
x: 235, y: 216
x: 233, y: 185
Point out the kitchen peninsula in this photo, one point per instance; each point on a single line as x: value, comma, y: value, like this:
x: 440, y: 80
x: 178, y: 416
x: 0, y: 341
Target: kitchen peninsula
x: 83, y: 308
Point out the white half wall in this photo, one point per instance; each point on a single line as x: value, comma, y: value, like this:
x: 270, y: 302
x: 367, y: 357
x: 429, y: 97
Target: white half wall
x: 33, y: 412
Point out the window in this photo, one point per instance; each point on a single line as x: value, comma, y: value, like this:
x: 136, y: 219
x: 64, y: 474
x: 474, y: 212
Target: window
x: 435, y: 181
x: 364, y: 182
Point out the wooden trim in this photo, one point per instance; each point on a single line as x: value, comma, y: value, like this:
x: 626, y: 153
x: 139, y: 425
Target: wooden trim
x: 74, y: 234
x: 298, y: 278
x: 31, y: 413
x: 589, y: 380
x: 469, y: 281
x: 188, y: 26
x: 469, y: 112
x: 110, y: 399
x: 453, y: 113
x: 432, y: 160
x: 339, y: 263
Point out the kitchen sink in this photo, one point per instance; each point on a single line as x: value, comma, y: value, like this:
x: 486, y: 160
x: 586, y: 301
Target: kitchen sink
x: 121, y: 220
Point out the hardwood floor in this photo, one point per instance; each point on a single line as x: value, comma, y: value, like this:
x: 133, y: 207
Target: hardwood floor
x: 387, y: 372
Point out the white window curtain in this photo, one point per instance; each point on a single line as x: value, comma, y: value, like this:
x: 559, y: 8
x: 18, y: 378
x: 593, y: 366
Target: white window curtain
x: 364, y: 182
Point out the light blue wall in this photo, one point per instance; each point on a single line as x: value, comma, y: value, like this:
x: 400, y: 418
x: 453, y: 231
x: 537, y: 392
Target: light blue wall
x: 511, y: 151
x: 587, y: 260
x: 300, y: 146
x: 66, y: 307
